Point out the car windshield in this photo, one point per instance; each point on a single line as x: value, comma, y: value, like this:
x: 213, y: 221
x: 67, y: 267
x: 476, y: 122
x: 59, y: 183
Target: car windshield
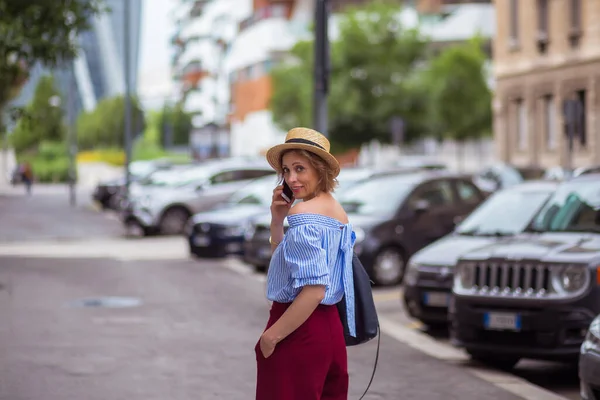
x: 380, y: 196
x: 505, y: 213
x: 259, y: 191
x: 575, y: 207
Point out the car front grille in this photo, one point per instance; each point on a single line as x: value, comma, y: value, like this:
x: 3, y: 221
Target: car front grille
x: 515, y: 278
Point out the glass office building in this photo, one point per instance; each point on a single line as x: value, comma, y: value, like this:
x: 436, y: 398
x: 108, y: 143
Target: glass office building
x: 99, y: 68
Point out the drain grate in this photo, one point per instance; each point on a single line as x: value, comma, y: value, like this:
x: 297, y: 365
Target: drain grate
x: 107, y: 302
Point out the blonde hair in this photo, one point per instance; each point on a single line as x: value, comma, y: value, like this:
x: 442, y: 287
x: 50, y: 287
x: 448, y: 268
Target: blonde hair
x: 327, y: 182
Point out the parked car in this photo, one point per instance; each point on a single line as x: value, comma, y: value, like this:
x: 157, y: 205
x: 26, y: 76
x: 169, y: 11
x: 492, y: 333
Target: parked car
x: 589, y: 363
x: 533, y: 296
x: 107, y: 192
x: 220, y: 232
x: 394, y: 216
x: 498, y: 176
x: 428, y: 280
x: 167, y: 210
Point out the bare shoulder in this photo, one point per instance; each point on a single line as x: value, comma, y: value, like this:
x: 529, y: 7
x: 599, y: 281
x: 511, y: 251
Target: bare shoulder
x: 302, y: 208
x: 331, y: 209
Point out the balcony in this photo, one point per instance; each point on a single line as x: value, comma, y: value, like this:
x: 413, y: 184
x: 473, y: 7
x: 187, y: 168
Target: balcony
x: 271, y: 11
x: 193, y: 73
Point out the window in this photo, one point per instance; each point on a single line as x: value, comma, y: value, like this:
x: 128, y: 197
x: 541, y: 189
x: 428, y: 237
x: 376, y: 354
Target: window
x: 521, y: 124
x: 467, y: 192
x: 514, y: 24
x: 582, y: 117
x: 549, y: 122
x: 575, y: 22
x: 254, y: 173
x: 574, y: 207
x: 224, y: 177
x: 542, y: 14
x: 436, y: 194
x: 505, y: 212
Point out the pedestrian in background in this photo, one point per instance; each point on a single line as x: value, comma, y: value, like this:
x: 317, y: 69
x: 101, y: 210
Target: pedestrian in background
x: 27, y: 176
x: 301, y: 355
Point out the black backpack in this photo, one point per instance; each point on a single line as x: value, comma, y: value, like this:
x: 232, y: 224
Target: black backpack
x: 365, y: 313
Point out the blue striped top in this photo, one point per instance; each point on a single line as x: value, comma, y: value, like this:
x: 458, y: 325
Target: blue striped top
x: 316, y: 250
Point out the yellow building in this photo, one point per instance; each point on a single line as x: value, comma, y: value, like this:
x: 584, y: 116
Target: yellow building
x: 546, y: 52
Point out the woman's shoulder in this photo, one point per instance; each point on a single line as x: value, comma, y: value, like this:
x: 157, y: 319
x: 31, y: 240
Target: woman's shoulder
x: 333, y: 211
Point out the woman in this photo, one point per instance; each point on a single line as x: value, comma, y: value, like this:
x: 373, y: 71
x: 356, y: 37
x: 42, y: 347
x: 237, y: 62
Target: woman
x: 302, y: 353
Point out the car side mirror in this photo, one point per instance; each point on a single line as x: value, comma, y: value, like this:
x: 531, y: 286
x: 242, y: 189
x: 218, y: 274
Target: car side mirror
x: 421, y: 206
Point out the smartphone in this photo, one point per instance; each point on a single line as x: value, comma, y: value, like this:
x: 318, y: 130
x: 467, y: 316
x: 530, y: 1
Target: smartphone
x: 288, y: 194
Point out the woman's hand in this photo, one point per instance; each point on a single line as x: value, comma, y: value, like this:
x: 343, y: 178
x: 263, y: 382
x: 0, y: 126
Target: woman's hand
x: 267, y: 344
x: 279, y: 207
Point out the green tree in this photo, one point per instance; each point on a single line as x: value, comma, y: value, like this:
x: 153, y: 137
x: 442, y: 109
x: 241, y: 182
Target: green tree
x: 104, y: 127
x: 372, y: 79
x: 460, y: 106
x: 38, y: 31
x: 42, y: 120
x: 175, y: 125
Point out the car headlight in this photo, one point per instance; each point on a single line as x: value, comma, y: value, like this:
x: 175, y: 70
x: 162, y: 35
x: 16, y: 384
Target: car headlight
x: 574, y: 278
x: 464, y: 276
x: 360, y: 234
x: 412, y: 274
x: 592, y: 339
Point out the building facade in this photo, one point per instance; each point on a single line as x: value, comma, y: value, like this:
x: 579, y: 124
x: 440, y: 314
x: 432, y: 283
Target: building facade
x: 546, y: 57
x: 258, y: 36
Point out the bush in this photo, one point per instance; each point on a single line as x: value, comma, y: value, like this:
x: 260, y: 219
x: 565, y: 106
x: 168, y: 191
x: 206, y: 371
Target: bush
x: 109, y: 156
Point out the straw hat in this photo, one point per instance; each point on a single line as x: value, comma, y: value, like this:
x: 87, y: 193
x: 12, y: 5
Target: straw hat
x: 303, y: 139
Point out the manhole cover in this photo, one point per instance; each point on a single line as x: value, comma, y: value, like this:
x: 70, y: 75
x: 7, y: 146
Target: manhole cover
x: 107, y: 302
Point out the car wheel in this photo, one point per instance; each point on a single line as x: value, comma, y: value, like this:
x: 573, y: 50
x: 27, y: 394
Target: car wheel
x: 388, y: 267
x: 134, y: 229
x: 174, y: 221
x: 505, y: 363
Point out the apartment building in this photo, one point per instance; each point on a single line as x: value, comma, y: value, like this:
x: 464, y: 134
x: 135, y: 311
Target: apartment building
x: 265, y: 31
x: 547, y: 55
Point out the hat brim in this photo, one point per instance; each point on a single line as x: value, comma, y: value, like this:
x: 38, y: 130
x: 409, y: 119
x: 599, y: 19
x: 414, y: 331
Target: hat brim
x: 274, y: 155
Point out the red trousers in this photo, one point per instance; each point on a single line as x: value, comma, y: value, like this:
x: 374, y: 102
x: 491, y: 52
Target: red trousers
x: 310, y: 364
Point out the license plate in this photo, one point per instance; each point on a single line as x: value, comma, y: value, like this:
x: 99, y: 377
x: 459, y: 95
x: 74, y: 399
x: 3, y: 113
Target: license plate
x: 502, y: 321
x: 436, y: 299
x: 201, y: 241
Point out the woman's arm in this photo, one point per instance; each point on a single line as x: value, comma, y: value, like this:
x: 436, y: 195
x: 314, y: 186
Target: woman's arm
x: 297, y: 313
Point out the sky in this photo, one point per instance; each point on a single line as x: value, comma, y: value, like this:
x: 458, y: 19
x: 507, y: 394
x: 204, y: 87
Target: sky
x: 154, y: 79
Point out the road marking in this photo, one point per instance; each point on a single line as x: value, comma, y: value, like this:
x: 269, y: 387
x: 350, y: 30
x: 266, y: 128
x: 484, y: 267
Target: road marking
x: 426, y: 344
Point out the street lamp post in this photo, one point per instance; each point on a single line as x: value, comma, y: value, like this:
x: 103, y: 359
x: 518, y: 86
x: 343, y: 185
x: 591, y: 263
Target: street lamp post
x: 126, y: 66
x: 321, y: 67
x: 72, y: 136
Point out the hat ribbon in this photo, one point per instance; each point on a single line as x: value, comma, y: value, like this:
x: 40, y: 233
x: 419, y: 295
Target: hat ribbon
x: 304, y: 141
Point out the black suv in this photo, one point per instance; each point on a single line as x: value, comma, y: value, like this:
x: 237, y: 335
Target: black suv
x: 534, y: 296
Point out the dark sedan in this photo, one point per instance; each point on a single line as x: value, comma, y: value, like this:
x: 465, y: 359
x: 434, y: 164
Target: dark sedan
x: 220, y: 232
x: 394, y: 216
x: 428, y: 281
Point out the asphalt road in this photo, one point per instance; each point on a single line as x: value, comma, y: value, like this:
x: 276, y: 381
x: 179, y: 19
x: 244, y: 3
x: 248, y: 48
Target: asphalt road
x: 191, y: 338
x: 194, y: 332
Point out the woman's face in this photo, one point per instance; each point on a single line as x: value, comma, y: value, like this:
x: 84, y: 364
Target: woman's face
x: 300, y: 175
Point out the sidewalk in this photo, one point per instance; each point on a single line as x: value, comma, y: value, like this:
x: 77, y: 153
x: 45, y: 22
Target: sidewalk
x: 47, y: 215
